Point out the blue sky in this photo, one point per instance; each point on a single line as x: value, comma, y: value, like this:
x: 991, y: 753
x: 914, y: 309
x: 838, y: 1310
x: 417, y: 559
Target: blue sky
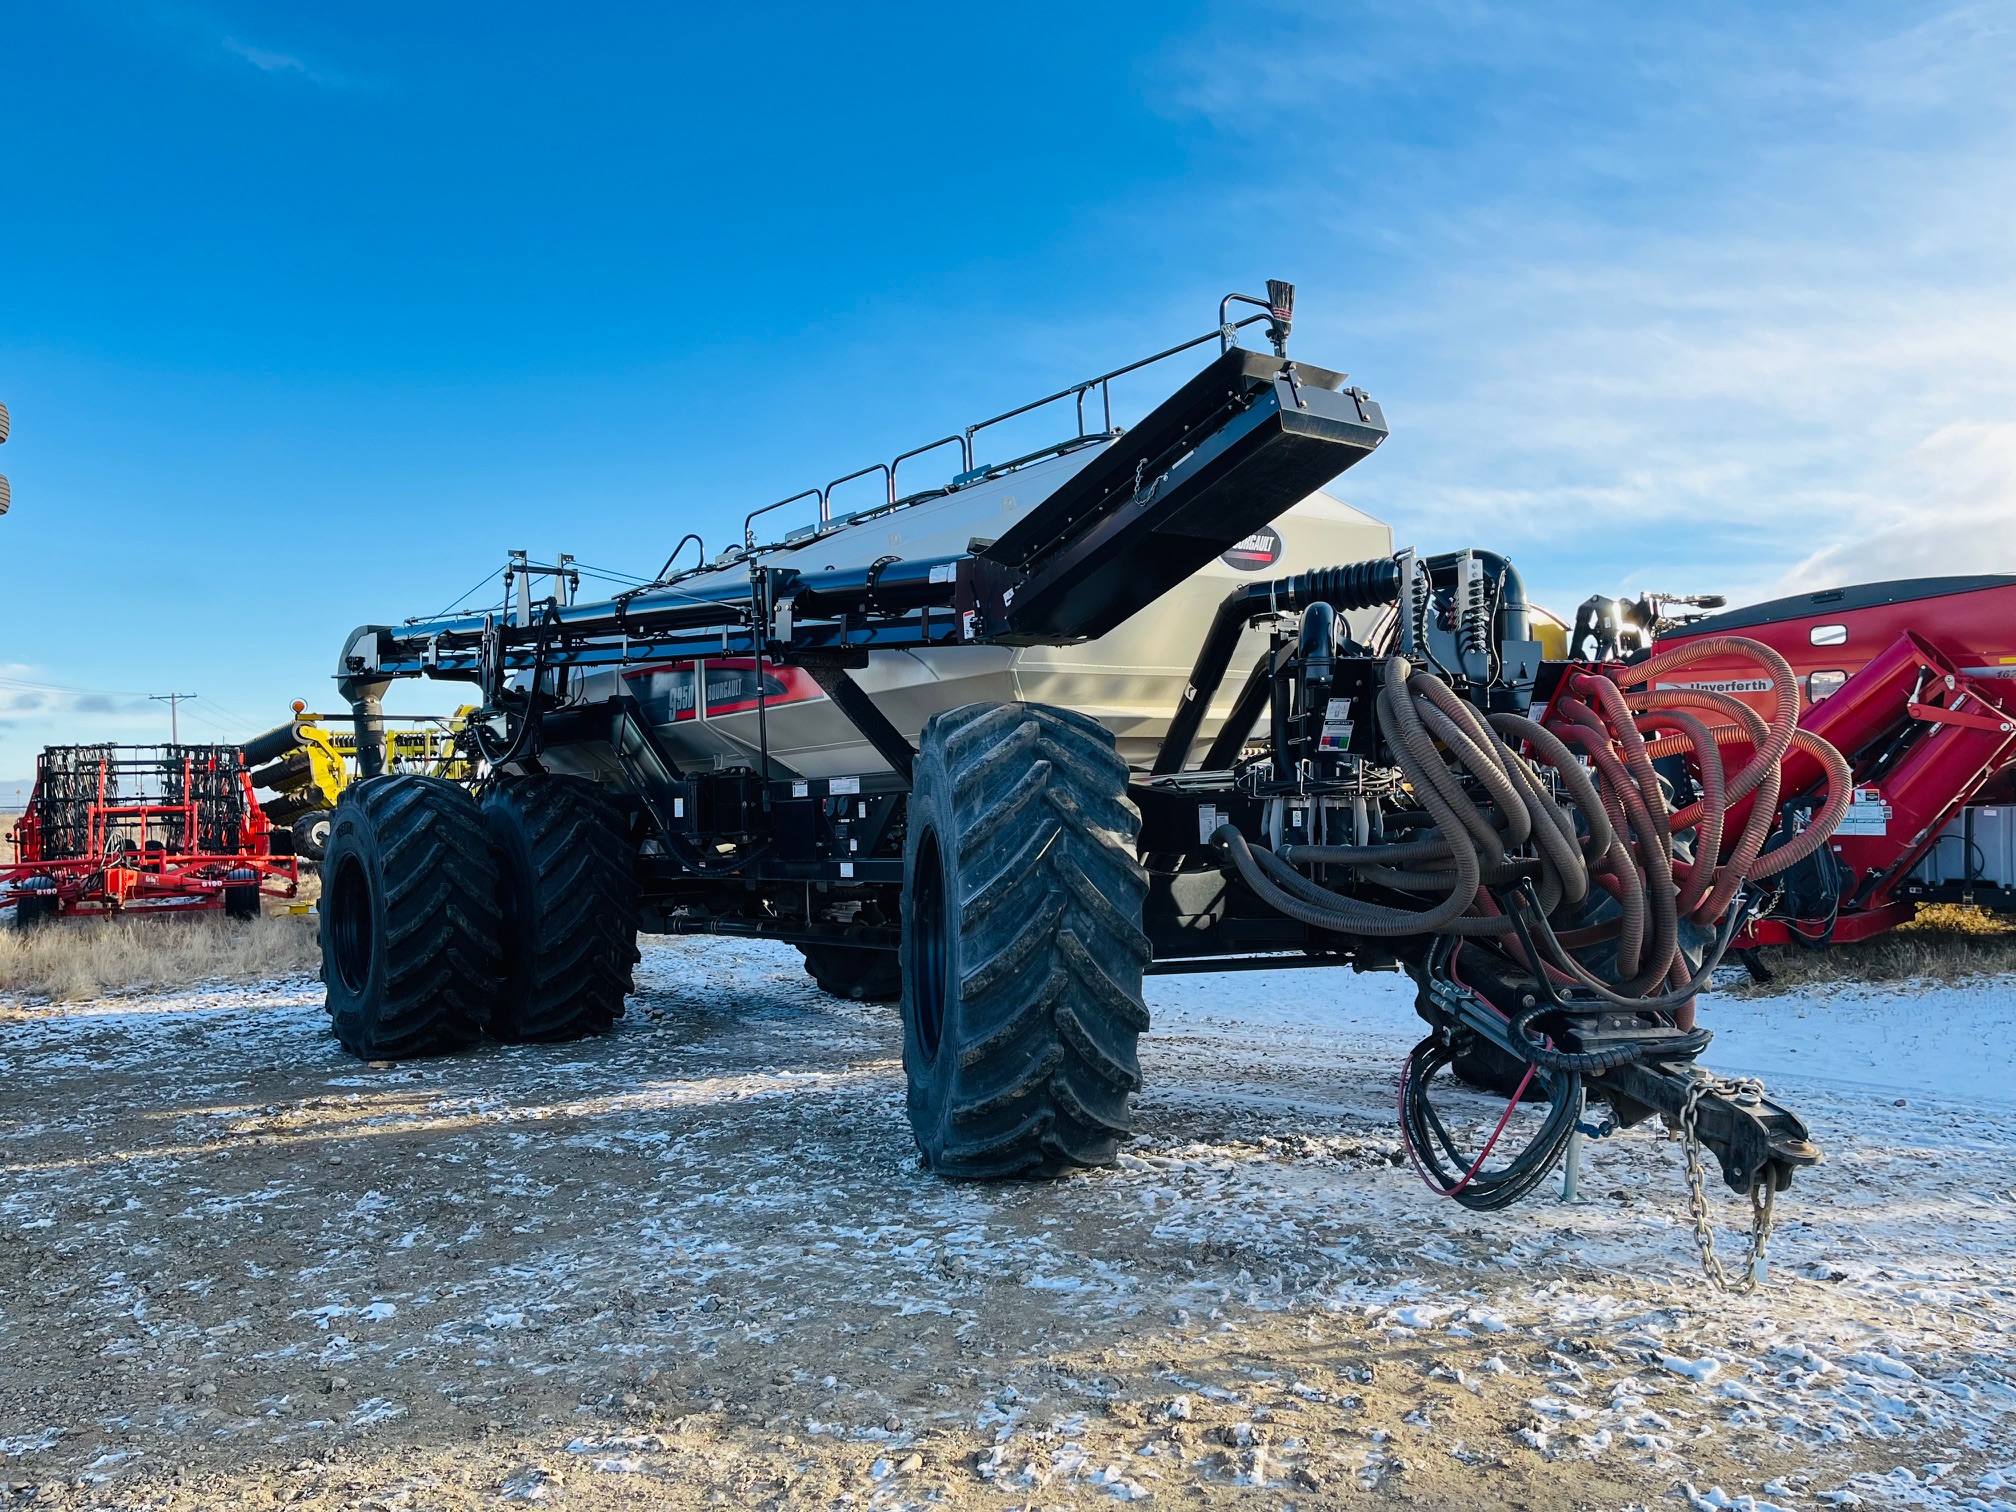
x: 308, y: 313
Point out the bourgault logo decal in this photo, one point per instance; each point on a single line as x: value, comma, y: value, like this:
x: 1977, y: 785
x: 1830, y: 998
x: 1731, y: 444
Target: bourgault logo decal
x: 1257, y: 552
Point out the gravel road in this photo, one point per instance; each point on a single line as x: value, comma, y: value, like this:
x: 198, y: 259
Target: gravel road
x: 696, y: 1262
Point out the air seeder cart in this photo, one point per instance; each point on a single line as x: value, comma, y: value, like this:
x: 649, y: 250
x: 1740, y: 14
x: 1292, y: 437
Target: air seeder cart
x: 918, y: 741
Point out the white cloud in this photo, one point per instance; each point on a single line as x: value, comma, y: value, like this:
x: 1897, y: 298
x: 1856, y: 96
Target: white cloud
x: 1950, y: 510
x: 1660, y: 298
x: 207, y: 38
x: 265, y: 60
x: 35, y: 713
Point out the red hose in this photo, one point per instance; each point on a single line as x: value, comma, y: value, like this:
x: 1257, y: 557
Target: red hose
x: 1611, y: 716
x: 1407, y: 1070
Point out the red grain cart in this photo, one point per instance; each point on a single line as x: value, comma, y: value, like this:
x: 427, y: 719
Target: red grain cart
x: 142, y: 828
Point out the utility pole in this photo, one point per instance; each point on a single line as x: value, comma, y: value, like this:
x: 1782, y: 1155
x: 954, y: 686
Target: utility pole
x: 174, y: 702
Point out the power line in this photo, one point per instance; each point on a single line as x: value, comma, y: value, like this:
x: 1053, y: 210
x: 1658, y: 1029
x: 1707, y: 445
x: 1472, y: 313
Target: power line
x: 231, y: 714
x: 232, y: 737
x: 41, y: 687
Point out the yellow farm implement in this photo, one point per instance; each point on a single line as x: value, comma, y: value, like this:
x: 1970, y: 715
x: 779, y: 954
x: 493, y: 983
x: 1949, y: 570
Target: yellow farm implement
x: 306, y: 763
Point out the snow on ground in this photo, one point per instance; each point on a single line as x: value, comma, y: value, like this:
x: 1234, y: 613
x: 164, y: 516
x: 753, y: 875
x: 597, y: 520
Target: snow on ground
x: 700, y: 1253
x: 1951, y: 1042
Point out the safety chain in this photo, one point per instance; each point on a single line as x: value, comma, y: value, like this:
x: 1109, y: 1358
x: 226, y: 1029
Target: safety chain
x: 1762, y: 1190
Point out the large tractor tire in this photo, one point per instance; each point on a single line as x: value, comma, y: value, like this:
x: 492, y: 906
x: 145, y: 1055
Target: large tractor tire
x: 32, y: 911
x: 241, y: 896
x: 569, y: 895
x: 1022, y: 944
x: 410, y: 951
x: 848, y: 971
x: 311, y: 835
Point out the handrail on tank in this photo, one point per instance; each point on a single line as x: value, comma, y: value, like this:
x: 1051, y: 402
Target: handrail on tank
x: 826, y: 494
x: 1106, y: 398
x: 1280, y: 307
x: 1225, y: 335
x: 964, y: 444
x: 749, y: 535
x: 1225, y: 330
x: 1079, y: 390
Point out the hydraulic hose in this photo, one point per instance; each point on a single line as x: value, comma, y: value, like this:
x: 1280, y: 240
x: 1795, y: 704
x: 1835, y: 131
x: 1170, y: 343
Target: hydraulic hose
x: 1429, y: 1142
x: 529, y: 720
x: 1603, y: 821
x: 1520, y: 821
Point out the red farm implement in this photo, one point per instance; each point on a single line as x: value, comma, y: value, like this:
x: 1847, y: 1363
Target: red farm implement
x: 1915, y: 683
x: 142, y: 828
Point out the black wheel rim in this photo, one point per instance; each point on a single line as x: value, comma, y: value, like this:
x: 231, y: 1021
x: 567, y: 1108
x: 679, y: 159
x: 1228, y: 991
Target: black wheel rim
x: 927, y: 917
x: 350, y: 930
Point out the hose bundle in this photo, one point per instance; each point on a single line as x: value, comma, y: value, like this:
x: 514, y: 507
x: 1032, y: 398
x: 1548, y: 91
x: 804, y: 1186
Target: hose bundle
x: 1507, y: 852
x: 1534, y: 828
x: 1429, y: 1142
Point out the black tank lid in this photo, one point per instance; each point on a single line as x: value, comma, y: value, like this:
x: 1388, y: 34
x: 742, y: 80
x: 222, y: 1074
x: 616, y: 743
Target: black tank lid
x: 1837, y: 601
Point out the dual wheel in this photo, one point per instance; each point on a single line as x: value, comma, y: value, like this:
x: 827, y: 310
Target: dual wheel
x: 1022, y: 946
x: 443, y: 921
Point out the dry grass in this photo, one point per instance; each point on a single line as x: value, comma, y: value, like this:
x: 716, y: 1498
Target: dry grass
x: 69, y: 959
x: 73, y: 959
x: 1945, y: 943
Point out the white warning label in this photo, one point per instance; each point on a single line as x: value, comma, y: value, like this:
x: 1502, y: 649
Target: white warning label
x: 1867, y: 814
x: 1208, y: 820
x: 1337, y: 726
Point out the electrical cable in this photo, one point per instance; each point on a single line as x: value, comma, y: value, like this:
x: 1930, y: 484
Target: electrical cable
x: 1423, y: 1132
x: 529, y: 720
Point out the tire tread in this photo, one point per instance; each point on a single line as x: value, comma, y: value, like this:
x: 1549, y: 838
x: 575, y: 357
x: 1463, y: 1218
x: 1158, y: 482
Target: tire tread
x: 441, y: 919
x: 1048, y: 888
x: 579, y: 934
